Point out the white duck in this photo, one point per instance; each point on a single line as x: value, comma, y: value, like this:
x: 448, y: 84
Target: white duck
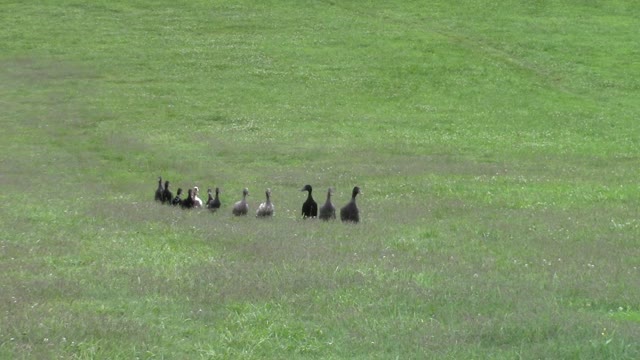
x: 266, y: 208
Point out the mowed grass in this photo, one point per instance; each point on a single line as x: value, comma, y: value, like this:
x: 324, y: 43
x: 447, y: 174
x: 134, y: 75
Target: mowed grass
x: 496, y: 145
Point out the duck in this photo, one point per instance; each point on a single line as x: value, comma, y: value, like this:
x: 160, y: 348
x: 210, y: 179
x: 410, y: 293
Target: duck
x: 327, y: 211
x: 197, y: 202
x: 350, y: 212
x: 178, y: 199
x: 159, y: 190
x: 214, y: 204
x: 167, y: 195
x: 266, y: 208
x: 188, y: 203
x: 210, y: 199
x: 241, y: 207
x: 309, y: 207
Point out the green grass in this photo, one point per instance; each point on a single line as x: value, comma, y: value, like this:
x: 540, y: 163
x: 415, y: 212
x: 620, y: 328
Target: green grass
x: 496, y: 144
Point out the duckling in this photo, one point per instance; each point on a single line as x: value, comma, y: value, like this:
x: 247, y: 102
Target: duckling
x: 309, y: 207
x: 159, y: 190
x: 350, y: 212
x: 266, y: 208
x: 178, y: 199
x: 188, y: 203
x: 167, y: 195
x: 328, y: 211
x: 210, y: 199
x: 197, y: 202
x: 214, y: 204
x: 241, y: 207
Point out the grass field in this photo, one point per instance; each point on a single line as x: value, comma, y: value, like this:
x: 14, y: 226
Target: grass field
x: 497, y: 145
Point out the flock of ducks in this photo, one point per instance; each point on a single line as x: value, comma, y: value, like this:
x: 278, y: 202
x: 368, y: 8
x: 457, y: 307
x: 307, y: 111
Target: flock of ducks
x: 348, y: 213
